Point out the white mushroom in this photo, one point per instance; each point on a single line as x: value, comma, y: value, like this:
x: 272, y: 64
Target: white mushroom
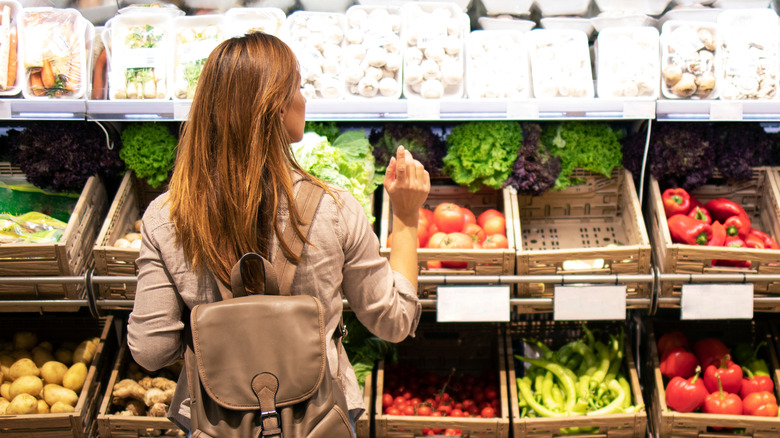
x: 356, y: 16
x: 331, y: 66
x: 374, y: 73
x: 368, y: 87
x: 430, y: 69
x: 452, y: 45
x: 393, y: 62
x: 452, y: 72
x: 432, y: 89
x: 413, y: 55
x: 376, y: 57
x: 388, y: 87
x: 413, y: 74
x: 354, y: 36
x: 330, y: 88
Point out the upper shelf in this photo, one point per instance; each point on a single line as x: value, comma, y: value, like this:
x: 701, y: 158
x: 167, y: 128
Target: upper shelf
x: 416, y: 110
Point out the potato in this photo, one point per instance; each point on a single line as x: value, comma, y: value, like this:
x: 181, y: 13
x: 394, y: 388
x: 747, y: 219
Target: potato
x: 85, y: 352
x: 52, y: 372
x: 137, y: 225
x: 55, y: 393
x: 25, y: 340
x: 43, y: 408
x: 26, y: 385
x: 40, y: 356
x: 22, y: 404
x: 64, y: 355
x: 3, y: 405
x: 5, y: 390
x: 46, y: 345
x: 6, y: 360
x: 75, y: 376
x: 24, y: 367
x: 61, y: 408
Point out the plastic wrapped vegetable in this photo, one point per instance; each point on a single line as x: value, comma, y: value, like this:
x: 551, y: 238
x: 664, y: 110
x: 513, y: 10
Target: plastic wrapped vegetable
x: 196, y: 37
x: 9, y: 65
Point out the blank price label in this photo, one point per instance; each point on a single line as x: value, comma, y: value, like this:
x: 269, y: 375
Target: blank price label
x: 574, y: 303
x: 522, y: 110
x: 717, y: 301
x: 5, y: 109
x: 472, y: 303
x: 423, y: 109
x: 726, y: 111
x: 639, y: 110
x: 181, y: 110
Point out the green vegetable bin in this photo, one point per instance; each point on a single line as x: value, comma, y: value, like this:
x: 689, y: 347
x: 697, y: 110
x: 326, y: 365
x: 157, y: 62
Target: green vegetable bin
x: 555, y: 334
x: 71, y: 256
x: 759, y: 196
x: 590, y: 229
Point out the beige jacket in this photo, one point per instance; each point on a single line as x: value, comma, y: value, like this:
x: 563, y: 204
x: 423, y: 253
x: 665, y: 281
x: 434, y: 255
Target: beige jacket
x: 343, y: 258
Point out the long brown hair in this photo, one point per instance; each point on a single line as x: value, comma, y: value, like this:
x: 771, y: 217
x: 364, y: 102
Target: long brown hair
x: 233, y: 163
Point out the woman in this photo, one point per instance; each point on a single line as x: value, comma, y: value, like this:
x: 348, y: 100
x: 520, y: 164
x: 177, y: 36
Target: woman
x: 229, y: 193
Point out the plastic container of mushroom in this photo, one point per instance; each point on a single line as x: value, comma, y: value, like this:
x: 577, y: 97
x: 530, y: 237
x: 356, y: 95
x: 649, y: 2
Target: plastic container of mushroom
x: 497, y: 65
x: 317, y: 38
x: 627, y: 62
x: 372, y: 52
x: 747, y: 56
x: 688, y: 50
x: 560, y: 63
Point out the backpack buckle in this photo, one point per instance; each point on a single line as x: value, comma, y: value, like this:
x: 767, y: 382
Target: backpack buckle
x: 274, y: 430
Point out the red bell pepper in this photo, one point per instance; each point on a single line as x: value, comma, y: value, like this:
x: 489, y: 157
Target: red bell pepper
x: 695, y: 202
x: 721, y: 209
x: 688, y: 230
x: 676, y: 201
x: 733, y: 242
x: 719, y: 402
x: 753, y: 241
x: 671, y: 340
x: 686, y: 395
x: 678, y: 362
x: 753, y: 383
x: 726, y: 374
x: 737, y: 226
x: 762, y: 404
x: 718, y: 235
x: 769, y: 242
x: 700, y: 213
x: 709, y: 351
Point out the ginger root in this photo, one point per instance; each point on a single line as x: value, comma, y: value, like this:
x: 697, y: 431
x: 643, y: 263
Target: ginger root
x: 163, y: 383
x: 157, y: 395
x: 129, y: 388
x: 158, y: 410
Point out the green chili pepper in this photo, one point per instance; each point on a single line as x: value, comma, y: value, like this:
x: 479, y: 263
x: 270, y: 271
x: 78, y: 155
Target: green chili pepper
x: 563, y: 354
x: 590, y: 339
x: 574, y: 361
x: 569, y: 390
x: 616, y: 404
x: 547, y: 353
x: 557, y: 394
x: 627, y: 389
x: 525, y: 392
x: 603, y: 367
x: 547, y: 394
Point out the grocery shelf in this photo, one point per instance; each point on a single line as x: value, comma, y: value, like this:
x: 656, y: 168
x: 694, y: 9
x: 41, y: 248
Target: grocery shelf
x: 717, y: 110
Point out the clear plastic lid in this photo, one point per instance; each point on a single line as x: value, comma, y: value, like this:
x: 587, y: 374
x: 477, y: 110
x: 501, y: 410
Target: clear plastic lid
x: 627, y: 62
x: 497, y: 65
x: 195, y: 37
x: 560, y: 63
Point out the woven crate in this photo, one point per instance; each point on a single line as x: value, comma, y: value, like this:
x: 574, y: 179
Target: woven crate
x: 71, y: 256
x: 55, y: 330
x: 441, y: 348
x: 480, y: 261
x: 555, y: 334
x: 131, y: 200
x: 761, y: 202
x: 668, y: 423
x: 117, y: 426
x: 578, y: 223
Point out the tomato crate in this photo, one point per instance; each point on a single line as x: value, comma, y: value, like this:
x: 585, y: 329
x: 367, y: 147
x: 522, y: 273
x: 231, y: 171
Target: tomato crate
x: 363, y: 423
x: 71, y: 256
x: 115, y: 425
x: 500, y: 261
x: 129, y: 204
x: 78, y: 423
x: 555, y: 334
x: 452, y: 353
x: 665, y: 422
x: 762, y: 203
x: 593, y: 228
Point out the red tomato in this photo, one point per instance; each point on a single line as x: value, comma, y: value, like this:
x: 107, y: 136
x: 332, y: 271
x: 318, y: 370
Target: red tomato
x: 387, y: 400
x: 456, y: 241
x: 433, y: 229
x: 487, y: 412
x: 491, y: 393
x: 392, y: 410
x: 473, y: 410
x: 415, y: 401
x: 495, y: 241
x: 428, y: 214
x: 427, y: 431
x: 437, y: 413
x: 469, y: 216
x: 445, y: 409
x: 453, y: 432
x: 475, y: 231
x: 436, y: 239
x: 455, y: 412
x: 467, y: 403
x: 399, y: 401
x: 433, y: 264
x: 424, y: 411
x: 408, y: 410
x: 448, y: 217
x: 495, y: 225
x: 487, y: 214
x: 422, y: 231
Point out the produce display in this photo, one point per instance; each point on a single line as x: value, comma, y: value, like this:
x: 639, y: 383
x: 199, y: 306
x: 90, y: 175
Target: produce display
x: 419, y: 139
x: 709, y: 376
x: 497, y: 65
x: 372, y: 53
x: 586, y: 376
x: 195, y: 38
x: 40, y: 377
x: 317, y: 38
x: 688, y: 59
x: 434, y: 35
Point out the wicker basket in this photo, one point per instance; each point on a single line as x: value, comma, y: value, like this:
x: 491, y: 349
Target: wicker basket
x: 75, y: 424
x: 71, y: 256
x: 599, y: 223
x: 480, y: 261
x: 555, y: 334
x: 439, y: 348
x: 761, y: 200
x: 668, y: 423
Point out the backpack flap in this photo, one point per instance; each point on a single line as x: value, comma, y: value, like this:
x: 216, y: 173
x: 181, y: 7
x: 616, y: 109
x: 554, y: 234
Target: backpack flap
x: 237, y: 339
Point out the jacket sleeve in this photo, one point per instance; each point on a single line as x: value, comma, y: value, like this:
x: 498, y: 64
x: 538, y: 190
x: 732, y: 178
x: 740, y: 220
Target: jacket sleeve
x: 382, y: 299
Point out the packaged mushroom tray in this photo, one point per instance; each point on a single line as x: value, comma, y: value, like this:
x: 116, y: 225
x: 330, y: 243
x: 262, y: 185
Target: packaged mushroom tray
x: 247, y: 20
x: 140, y: 60
x: 317, y: 38
x: 372, y: 52
x: 688, y: 59
x: 195, y: 37
x: 560, y: 63
x: 56, y: 42
x: 747, y: 55
x: 434, y: 35
x: 627, y: 62
x: 497, y: 65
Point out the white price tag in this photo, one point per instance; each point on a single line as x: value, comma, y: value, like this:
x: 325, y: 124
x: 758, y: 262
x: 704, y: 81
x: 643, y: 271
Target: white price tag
x: 717, y: 301
x: 425, y: 109
x: 522, y: 110
x: 574, y: 303
x: 181, y: 110
x: 472, y: 303
x: 724, y: 110
x: 639, y: 110
x: 5, y: 109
